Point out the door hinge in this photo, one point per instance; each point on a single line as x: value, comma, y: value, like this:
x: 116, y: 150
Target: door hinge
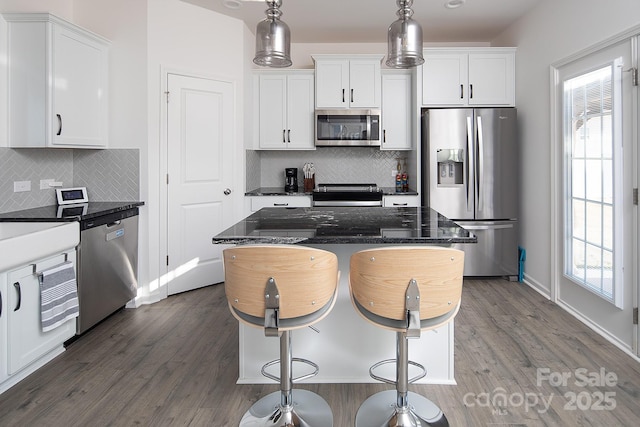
x: 635, y: 196
x: 167, y: 179
x: 167, y: 93
x: 635, y: 316
x: 634, y: 76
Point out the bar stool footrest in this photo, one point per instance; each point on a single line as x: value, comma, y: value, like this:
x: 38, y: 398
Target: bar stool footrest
x: 293, y: 380
x: 422, y: 374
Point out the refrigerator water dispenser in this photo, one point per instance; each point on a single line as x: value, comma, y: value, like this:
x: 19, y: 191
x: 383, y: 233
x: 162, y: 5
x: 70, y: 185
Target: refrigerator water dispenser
x: 450, y: 167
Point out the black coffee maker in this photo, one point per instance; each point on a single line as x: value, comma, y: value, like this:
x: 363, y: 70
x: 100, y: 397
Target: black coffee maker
x: 291, y: 180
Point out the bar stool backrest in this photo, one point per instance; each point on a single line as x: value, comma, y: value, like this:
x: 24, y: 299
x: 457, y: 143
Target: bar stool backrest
x: 306, y: 278
x: 379, y: 278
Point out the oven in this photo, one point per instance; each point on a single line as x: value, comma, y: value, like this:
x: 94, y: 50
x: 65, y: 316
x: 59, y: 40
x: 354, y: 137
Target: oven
x: 339, y: 195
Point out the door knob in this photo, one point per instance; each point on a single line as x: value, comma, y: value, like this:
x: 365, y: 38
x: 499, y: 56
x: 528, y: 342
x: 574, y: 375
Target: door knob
x: 227, y: 191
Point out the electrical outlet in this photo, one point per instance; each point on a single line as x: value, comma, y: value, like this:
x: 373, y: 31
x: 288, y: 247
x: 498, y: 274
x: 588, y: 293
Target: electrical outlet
x: 19, y: 186
x: 394, y: 172
x: 45, y: 184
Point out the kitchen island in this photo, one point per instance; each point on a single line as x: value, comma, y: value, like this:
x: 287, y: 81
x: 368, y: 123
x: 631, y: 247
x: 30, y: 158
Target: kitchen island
x: 345, y: 345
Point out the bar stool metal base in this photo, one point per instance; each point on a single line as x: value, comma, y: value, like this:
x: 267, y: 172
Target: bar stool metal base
x: 381, y: 410
x: 309, y: 410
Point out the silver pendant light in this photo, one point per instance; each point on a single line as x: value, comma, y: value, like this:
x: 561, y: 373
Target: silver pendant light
x: 404, y: 39
x: 273, y: 39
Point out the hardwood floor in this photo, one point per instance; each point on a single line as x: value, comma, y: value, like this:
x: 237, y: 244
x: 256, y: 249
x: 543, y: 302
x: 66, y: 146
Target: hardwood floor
x: 175, y: 363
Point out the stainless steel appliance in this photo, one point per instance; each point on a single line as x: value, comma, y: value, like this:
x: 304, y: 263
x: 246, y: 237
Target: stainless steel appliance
x: 470, y: 175
x: 347, y: 127
x: 291, y: 180
x: 107, y: 265
x: 334, y: 195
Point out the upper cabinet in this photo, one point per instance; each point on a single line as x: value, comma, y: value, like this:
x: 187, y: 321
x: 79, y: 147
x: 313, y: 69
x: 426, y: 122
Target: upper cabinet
x: 468, y: 77
x: 348, y: 81
x: 58, y: 77
x: 397, y: 114
x: 284, y: 115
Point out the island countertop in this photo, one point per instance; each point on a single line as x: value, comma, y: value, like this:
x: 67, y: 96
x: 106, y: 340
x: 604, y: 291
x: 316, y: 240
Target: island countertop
x: 338, y: 225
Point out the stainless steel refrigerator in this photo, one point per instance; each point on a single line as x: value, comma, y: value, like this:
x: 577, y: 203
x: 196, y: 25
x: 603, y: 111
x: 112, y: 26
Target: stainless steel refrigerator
x: 470, y: 175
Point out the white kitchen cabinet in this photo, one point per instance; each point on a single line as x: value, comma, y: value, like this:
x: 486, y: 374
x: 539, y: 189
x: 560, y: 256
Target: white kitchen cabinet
x: 58, y: 82
x: 454, y: 77
x: 285, y: 110
x: 259, y: 202
x: 348, y: 81
x: 25, y: 347
x: 401, y: 201
x: 397, y: 109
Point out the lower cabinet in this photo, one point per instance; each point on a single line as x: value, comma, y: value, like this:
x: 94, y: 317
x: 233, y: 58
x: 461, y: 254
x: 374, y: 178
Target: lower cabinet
x: 401, y: 201
x: 259, y: 202
x: 25, y: 347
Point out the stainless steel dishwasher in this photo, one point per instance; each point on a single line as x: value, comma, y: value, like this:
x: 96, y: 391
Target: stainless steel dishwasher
x: 107, y: 266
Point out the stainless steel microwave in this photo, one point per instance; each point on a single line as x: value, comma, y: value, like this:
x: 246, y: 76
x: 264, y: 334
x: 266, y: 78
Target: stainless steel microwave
x: 347, y: 128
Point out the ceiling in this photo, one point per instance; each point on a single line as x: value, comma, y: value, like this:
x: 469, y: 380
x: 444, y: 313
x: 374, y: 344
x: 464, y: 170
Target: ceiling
x: 362, y: 21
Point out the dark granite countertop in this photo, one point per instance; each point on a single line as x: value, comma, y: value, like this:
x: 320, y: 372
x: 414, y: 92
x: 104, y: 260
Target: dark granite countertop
x: 76, y: 212
x: 362, y: 225
x: 279, y: 191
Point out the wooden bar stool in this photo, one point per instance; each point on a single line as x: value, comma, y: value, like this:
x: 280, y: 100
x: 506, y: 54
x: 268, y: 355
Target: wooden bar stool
x: 406, y: 289
x: 281, y: 288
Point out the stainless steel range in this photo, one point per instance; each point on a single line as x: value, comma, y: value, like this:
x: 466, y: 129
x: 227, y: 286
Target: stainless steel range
x: 336, y: 195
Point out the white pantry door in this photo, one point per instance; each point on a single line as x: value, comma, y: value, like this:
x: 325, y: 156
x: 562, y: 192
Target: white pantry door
x: 200, y: 169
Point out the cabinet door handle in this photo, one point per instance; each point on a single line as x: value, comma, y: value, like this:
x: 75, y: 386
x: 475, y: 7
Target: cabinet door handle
x: 289, y: 135
x: 59, y: 124
x: 461, y: 91
x: 342, y: 95
x: 384, y: 135
x: 17, y: 286
x: 280, y: 204
x: 400, y: 204
x: 284, y: 132
x: 351, y: 95
x: 0, y: 304
x: 470, y: 91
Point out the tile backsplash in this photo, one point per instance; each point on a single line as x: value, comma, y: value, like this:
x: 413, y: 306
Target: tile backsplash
x: 332, y: 164
x: 109, y: 175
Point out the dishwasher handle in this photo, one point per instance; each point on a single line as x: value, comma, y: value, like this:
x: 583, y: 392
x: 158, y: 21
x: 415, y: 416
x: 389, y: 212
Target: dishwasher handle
x: 114, y: 223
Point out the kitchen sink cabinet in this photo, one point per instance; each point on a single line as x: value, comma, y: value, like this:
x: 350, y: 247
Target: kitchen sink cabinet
x: 25, y: 347
x: 348, y: 81
x: 397, y: 90
x: 468, y: 77
x: 58, y: 77
x: 285, y: 110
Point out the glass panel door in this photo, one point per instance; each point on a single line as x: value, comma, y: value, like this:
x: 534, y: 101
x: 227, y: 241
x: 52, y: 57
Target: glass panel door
x: 598, y: 276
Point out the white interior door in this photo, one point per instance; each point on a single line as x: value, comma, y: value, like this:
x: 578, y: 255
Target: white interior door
x: 200, y: 170
x: 597, y: 277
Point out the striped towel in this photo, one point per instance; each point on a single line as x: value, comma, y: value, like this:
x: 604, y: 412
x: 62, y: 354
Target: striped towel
x: 58, y: 295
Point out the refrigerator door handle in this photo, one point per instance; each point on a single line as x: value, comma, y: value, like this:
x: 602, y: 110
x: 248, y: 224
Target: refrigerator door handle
x: 480, y: 180
x: 470, y: 172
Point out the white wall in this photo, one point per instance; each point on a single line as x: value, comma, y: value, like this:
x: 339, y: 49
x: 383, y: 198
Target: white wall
x: 552, y: 31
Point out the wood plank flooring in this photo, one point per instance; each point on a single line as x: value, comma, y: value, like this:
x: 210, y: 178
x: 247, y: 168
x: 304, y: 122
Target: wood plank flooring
x: 175, y: 363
